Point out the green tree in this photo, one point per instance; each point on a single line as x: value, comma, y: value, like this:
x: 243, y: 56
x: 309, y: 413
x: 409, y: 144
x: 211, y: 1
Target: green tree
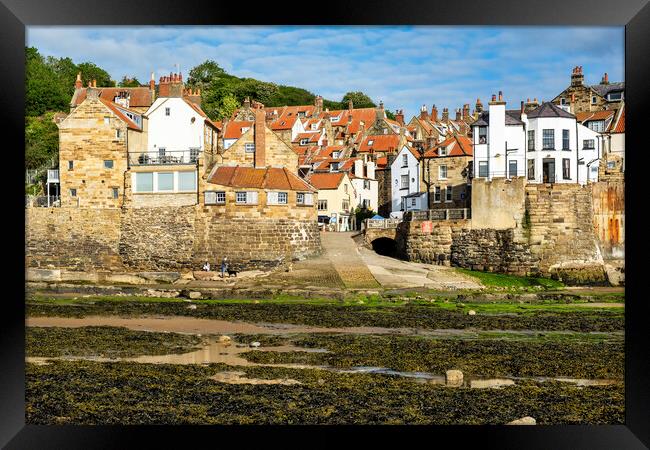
x: 229, y: 105
x: 43, y: 92
x: 90, y: 72
x: 66, y: 71
x: 41, y: 140
x: 390, y: 115
x: 202, y: 75
x: 129, y: 82
x: 359, y: 100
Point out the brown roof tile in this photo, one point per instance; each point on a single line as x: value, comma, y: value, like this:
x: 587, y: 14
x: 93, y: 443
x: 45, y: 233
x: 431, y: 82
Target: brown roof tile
x: 258, y: 178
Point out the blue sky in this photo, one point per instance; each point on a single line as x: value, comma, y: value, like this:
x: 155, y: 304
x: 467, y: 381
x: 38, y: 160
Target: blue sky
x: 403, y: 66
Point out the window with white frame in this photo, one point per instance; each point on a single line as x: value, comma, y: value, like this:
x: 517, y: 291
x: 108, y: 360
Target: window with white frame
x: 165, y: 181
x: 594, y: 99
x: 322, y: 205
x: 187, y: 181
x: 143, y: 182
x: 448, y: 193
x: 277, y: 198
x: 345, y: 204
x: 588, y: 144
x: 168, y: 111
x: 366, y: 203
x: 115, y: 192
x: 414, y: 202
x: 249, y: 147
x: 335, y: 155
x: 442, y: 172
x: 215, y: 197
x: 565, y: 140
x: 566, y: 168
x: 531, y: 169
x: 436, y: 194
x: 597, y: 125
x: 334, y: 167
x: 548, y: 139
x: 107, y: 120
x: 483, y: 169
x: 482, y: 135
x: 512, y: 168
x: 405, y: 160
x: 73, y: 192
x: 370, y: 142
x: 531, y: 140
x: 404, y: 182
x: 345, y: 188
x: 246, y: 198
x: 614, y: 96
x: 304, y: 141
x: 194, y: 154
x: 366, y: 184
x: 304, y: 198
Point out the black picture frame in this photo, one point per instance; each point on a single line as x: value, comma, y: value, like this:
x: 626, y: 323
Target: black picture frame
x: 633, y: 14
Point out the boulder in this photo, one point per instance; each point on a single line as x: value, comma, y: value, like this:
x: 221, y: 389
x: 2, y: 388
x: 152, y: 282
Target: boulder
x: 454, y: 378
x: 160, y: 277
x: 191, y: 307
x: 255, y: 344
x: 195, y: 294
x: 471, y: 312
x: 223, y: 339
x: 523, y: 421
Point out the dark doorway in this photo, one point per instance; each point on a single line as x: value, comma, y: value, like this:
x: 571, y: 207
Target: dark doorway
x: 548, y: 170
x: 385, y: 247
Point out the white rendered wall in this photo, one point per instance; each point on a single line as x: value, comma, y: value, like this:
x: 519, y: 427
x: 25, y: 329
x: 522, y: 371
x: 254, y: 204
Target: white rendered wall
x: 396, y: 171
x: 176, y: 131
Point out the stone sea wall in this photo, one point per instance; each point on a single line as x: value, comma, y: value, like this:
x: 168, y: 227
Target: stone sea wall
x: 159, y: 239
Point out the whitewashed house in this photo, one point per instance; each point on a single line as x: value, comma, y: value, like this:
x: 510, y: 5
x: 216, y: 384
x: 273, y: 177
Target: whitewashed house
x: 547, y: 145
x: 177, y: 134
x: 405, y: 182
x: 365, y: 184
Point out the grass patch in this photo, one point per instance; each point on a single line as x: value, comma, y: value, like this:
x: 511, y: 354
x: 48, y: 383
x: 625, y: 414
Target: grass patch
x: 91, y: 393
x: 110, y: 342
x: 501, y: 280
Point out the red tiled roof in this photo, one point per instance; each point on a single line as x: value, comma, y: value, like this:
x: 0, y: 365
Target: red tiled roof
x: 367, y: 115
x: 139, y: 96
x: 380, y: 143
x: 313, y: 136
x: 596, y: 115
x: 113, y: 107
x: 620, y: 125
x: 382, y: 162
x: 328, y: 180
x: 461, y: 146
x: 283, y: 123
x: 233, y: 128
x: 258, y: 178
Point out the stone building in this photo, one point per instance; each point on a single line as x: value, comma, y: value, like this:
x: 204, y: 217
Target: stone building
x: 580, y: 97
x: 446, y: 173
x: 137, y: 99
x: 94, y: 143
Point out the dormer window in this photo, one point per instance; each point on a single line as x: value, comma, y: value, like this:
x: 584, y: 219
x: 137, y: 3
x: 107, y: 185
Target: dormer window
x: 314, y: 126
x: 335, y: 155
x: 370, y: 142
x: 304, y: 141
x: 615, y: 96
x: 334, y: 167
x: 443, y: 151
x: 301, y: 114
x: 563, y: 101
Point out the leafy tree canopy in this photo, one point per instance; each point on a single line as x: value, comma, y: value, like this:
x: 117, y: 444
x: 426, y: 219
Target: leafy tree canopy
x: 359, y: 100
x: 41, y: 140
x: 129, y: 82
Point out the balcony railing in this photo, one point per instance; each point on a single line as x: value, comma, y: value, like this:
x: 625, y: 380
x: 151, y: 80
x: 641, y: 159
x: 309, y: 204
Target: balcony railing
x: 168, y: 157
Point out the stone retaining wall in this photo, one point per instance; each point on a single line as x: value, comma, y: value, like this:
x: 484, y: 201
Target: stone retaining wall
x: 425, y: 241
x: 159, y: 239
x: 73, y: 238
x: 492, y: 251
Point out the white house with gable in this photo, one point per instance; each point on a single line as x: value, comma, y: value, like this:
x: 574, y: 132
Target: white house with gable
x: 405, y: 182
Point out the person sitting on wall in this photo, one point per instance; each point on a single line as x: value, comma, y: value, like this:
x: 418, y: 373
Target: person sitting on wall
x: 206, y: 266
x: 224, y: 267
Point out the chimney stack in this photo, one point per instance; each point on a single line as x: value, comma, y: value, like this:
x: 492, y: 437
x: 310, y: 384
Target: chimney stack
x: 434, y: 114
x: 458, y: 115
x: 445, y: 115
x: 260, y: 138
x: 78, y: 84
x: 350, y: 105
x: 152, y: 83
x: 500, y: 96
x: 423, y: 112
x: 605, y: 79
x: 318, y: 103
x: 577, y: 77
x: 466, y: 111
x: 399, y: 116
x: 94, y: 83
